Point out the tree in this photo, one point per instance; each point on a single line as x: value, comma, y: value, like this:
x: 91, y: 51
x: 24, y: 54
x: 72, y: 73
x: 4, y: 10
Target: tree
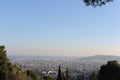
x: 3, y: 58
x: 96, y: 2
x: 110, y: 71
x: 3, y: 63
x: 59, y: 76
x: 67, y: 76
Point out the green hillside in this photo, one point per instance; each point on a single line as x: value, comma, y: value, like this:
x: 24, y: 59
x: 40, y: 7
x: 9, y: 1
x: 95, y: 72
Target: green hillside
x: 8, y: 71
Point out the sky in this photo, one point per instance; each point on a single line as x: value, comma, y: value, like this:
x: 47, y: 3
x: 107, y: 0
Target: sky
x: 59, y: 28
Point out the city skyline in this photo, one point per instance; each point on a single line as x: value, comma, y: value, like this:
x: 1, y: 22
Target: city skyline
x: 59, y: 28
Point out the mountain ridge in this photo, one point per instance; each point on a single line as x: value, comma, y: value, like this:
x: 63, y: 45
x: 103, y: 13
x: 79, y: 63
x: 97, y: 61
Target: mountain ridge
x: 102, y: 57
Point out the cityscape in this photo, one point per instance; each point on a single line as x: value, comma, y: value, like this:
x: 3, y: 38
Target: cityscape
x: 79, y: 67
x: 59, y: 39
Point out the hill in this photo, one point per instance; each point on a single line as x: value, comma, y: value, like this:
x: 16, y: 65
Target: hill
x: 102, y: 57
x: 9, y: 71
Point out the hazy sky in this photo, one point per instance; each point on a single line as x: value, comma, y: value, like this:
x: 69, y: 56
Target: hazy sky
x: 59, y: 28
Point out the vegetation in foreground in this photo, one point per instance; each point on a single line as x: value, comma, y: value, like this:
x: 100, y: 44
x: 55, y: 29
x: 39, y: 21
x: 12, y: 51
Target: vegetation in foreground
x: 9, y: 71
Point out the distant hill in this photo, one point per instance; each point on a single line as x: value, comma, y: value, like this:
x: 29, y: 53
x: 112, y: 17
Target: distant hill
x: 102, y: 57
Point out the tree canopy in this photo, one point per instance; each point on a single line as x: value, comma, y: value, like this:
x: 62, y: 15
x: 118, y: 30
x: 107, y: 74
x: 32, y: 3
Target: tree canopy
x: 110, y: 71
x: 96, y: 2
x: 3, y: 57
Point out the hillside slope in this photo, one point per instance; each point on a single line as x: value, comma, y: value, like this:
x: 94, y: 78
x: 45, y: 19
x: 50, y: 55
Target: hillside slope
x: 9, y: 71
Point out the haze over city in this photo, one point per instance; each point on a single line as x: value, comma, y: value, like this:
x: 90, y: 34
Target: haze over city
x: 59, y: 28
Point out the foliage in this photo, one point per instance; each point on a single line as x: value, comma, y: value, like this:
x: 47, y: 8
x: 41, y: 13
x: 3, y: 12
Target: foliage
x: 47, y: 78
x: 13, y: 72
x: 61, y: 75
x: 110, y: 71
x: 67, y: 76
x: 3, y: 63
x: 96, y: 2
x: 33, y: 75
x: 3, y: 59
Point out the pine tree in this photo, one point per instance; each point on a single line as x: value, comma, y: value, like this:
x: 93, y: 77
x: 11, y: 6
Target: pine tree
x: 68, y: 77
x: 59, y: 76
x: 96, y: 2
x: 3, y: 63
